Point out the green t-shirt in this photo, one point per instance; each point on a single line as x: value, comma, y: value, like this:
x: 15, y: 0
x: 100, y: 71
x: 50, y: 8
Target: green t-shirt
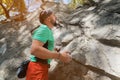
x: 43, y: 34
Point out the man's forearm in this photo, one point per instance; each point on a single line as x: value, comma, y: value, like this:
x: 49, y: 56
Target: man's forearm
x: 44, y: 53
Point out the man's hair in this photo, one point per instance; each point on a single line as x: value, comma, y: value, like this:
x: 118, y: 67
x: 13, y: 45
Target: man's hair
x: 44, y: 14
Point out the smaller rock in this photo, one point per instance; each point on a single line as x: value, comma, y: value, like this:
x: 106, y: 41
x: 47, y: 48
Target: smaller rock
x: 67, y: 38
x: 3, y: 46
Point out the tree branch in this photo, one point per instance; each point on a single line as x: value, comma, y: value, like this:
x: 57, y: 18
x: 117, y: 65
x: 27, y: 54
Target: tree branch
x: 11, y: 6
x: 5, y: 10
x: 2, y: 5
x: 0, y: 1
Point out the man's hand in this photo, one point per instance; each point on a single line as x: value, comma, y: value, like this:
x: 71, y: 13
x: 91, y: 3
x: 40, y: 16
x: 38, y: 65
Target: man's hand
x: 65, y: 57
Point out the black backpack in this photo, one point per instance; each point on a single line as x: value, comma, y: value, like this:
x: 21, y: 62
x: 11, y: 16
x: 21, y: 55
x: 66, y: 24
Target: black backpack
x: 22, y: 69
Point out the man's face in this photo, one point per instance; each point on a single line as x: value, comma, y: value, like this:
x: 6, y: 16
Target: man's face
x: 52, y: 19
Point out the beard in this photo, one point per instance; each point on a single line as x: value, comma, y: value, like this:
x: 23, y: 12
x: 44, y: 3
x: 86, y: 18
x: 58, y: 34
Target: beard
x: 57, y: 24
x: 54, y: 23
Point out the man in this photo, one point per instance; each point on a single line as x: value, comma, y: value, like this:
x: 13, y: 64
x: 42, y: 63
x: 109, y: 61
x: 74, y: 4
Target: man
x: 38, y: 67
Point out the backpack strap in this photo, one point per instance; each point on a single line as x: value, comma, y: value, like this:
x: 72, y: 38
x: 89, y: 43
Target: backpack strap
x: 34, y: 29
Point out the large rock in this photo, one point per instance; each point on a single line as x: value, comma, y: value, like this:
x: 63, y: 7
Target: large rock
x: 15, y: 41
x: 91, y: 34
x: 97, y: 45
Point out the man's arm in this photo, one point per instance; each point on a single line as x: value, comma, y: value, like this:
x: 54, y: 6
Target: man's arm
x: 39, y: 51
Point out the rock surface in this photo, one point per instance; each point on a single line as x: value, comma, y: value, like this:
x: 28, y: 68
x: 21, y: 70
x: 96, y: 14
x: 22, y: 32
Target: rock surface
x: 91, y: 34
x: 97, y: 43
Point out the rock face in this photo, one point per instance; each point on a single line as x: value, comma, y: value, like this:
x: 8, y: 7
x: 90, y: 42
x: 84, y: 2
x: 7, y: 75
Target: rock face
x: 91, y: 34
x: 15, y: 41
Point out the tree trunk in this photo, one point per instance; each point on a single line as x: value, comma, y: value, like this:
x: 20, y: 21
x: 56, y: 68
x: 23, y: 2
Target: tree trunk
x: 6, y: 11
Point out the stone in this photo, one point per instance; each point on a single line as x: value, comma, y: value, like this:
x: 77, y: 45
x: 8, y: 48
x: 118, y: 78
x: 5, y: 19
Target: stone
x: 2, y: 43
x: 3, y: 49
x: 93, y: 39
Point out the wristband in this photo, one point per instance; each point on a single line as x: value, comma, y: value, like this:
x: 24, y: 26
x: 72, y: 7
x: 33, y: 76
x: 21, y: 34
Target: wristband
x: 58, y: 55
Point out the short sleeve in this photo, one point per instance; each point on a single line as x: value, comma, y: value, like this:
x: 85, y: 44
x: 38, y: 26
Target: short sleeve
x: 41, y: 34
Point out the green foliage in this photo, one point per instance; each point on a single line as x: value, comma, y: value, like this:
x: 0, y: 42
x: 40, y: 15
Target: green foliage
x: 75, y: 3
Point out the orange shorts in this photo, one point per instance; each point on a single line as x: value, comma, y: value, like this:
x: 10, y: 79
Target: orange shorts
x: 37, y: 71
